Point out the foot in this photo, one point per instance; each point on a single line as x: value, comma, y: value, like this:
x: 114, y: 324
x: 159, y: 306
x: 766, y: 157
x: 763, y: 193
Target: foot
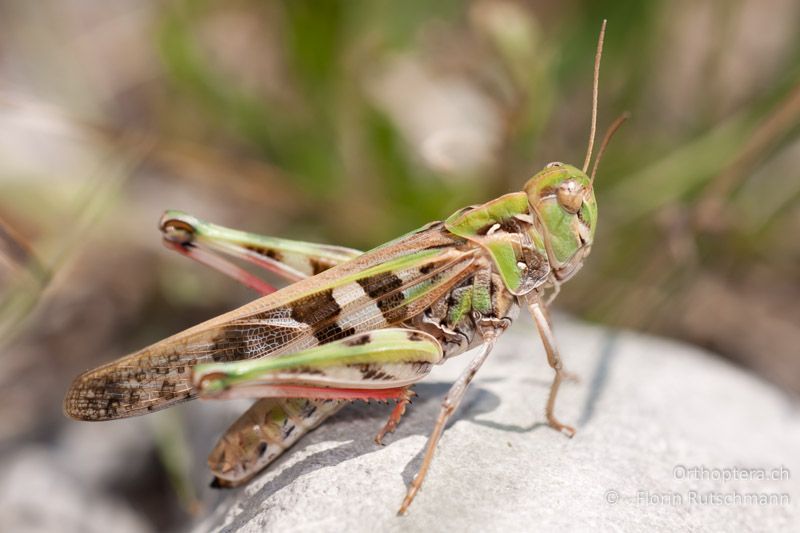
x: 569, y: 431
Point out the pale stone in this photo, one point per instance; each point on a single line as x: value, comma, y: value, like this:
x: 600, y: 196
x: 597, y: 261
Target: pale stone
x: 647, y: 412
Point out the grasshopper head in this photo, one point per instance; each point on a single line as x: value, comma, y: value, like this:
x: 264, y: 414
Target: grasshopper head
x: 562, y: 203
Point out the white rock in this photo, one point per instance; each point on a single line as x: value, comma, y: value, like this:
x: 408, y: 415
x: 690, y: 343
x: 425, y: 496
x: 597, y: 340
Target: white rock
x: 647, y: 411
x: 37, y: 494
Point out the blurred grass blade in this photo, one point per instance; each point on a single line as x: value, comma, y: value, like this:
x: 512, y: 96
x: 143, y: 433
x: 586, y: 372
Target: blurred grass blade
x: 96, y: 198
x: 22, y: 279
x: 713, y: 205
x: 175, y: 453
x: 671, y: 178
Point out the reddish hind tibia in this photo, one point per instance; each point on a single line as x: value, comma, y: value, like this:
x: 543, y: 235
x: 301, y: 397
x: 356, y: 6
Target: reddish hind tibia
x: 221, y: 265
x: 309, y: 392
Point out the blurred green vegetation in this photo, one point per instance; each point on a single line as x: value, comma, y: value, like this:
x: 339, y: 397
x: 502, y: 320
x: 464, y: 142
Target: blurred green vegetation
x: 352, y: 122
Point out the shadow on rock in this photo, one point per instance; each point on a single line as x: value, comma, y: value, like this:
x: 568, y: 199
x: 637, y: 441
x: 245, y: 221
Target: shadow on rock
x: 358, y: 423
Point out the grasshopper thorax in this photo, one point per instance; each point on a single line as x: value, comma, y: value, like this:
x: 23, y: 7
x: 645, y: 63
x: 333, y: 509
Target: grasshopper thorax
x: 562, y: 203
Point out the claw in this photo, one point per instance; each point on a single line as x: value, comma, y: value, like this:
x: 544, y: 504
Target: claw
x: 569, y: 431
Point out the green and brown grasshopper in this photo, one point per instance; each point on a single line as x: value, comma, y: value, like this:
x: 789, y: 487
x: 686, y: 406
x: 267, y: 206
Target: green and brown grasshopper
x: 356, y: 325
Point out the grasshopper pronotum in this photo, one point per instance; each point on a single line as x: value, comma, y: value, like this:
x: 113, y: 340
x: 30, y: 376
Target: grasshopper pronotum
x: 358, y: 325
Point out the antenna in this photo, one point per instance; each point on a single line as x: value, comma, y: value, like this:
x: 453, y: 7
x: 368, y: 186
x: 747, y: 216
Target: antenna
x: 606, y: 138
x: 595, y: 86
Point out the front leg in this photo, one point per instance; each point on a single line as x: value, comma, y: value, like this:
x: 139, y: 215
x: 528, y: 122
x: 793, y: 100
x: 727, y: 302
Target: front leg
x: 553, y: 358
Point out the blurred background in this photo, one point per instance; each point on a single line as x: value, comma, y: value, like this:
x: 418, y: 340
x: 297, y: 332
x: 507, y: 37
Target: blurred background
x: 352, y: 122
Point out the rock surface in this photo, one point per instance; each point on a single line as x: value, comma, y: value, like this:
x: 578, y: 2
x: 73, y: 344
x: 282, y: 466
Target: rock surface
x: 660, y: 424
x: 37, y: 493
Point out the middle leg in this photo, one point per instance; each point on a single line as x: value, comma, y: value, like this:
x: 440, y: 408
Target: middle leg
x: 449, y: 406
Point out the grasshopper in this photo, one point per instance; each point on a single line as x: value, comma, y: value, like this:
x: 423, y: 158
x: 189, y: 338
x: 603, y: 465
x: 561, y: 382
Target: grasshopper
x: 358, y: 326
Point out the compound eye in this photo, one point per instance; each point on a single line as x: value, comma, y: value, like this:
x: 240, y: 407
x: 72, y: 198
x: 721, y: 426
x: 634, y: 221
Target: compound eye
x: 570, y: 196
x: 554, y: 164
